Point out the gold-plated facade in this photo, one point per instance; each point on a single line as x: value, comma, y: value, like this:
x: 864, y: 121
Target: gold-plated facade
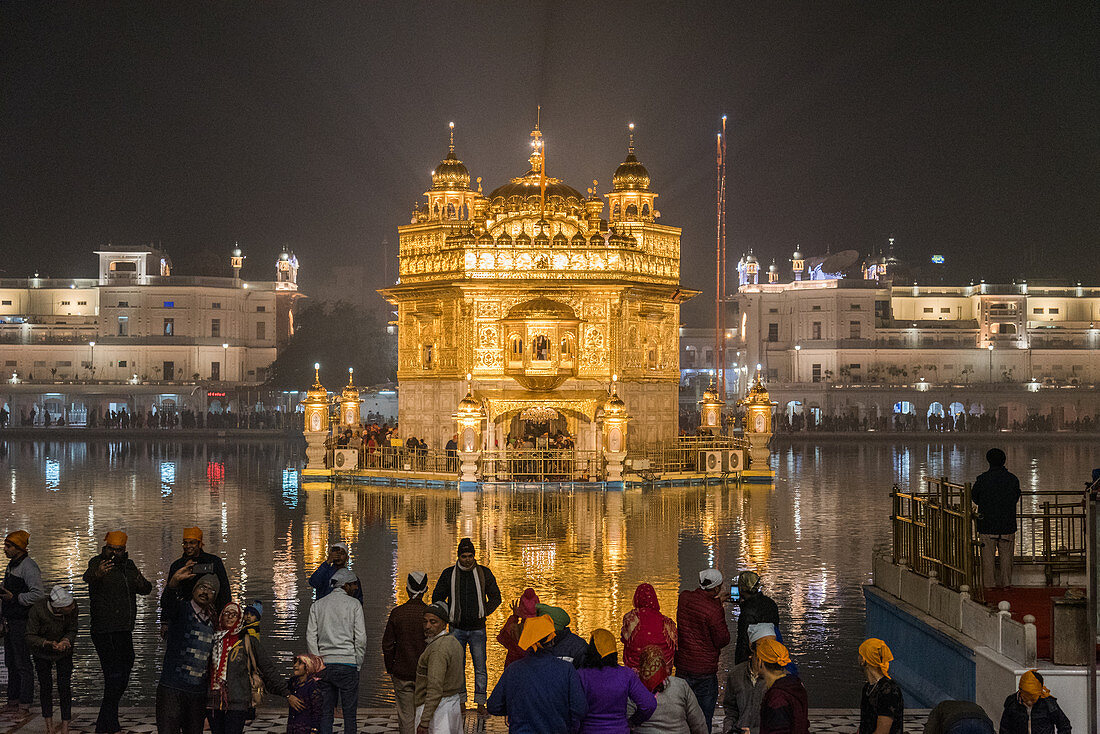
x: 541, y: 299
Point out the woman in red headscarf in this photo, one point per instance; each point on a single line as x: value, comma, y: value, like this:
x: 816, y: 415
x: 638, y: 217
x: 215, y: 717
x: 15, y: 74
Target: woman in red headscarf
x: 509, y: 633
x: 238, y: 665
x: 644, y: 625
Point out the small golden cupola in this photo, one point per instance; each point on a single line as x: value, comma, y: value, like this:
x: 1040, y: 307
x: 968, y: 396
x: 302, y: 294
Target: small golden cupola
x: 450, y: 197
x: 630, y: 199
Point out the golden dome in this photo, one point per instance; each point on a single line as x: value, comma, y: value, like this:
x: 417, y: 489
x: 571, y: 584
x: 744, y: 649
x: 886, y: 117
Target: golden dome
x: 451, y: 174
x: 469, y: 408
x: 350, y: 391
x: 630, y: 176
x: 541, y: 308
x: 758, y: 394
x: 614, y: 407
x: 525, y: 188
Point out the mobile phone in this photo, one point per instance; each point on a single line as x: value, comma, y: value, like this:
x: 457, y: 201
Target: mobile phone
x: 201, y: 569
x: 735, y: 593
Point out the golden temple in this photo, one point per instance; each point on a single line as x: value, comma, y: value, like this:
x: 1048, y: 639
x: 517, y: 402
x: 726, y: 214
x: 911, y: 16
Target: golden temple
x: 542, y: 301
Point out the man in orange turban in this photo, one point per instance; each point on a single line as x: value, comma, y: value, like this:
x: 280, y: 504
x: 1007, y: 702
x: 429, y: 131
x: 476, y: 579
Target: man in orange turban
x: 881, y: 706
x: 22, y: 588
x: 1032, y: 710
x: 539, y: 692
x: 113, y: 584
x: 785, y: 708
x: 202, y: 563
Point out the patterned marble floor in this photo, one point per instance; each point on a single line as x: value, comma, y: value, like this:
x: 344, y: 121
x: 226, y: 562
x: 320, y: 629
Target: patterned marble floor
x: 384, y: 721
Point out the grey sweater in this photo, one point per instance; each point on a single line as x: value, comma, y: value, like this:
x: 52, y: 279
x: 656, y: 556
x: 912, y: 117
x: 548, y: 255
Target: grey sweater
x: 741, y: 703
x: 677, y: 711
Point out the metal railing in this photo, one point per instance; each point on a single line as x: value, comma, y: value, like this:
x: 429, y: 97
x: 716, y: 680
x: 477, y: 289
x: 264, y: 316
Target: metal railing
x: 540, y: 465
x: 682, y: 455
x: 391, y: 458
x: 934, y: 532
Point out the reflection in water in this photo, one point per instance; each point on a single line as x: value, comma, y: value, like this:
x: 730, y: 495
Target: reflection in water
x: 811, y: 536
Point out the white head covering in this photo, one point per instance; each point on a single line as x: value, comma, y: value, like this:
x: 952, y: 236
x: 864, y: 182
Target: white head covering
x: 710, y: 578
x: 343, y: 576
x: 341, y: 545
x: 60, y: 597
x: 417, y: 583
x: 760, y: 630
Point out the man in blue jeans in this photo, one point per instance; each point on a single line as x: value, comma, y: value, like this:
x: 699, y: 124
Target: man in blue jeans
x: 471, y: 594
x: 337, y: 632
x: 702, y: 632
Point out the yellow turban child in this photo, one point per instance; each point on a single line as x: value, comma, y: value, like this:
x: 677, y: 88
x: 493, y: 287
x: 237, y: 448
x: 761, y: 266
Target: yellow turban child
x: 876, y: 654
x: 1031, y: 689
x: 604, y: 642
x: 768, y: 650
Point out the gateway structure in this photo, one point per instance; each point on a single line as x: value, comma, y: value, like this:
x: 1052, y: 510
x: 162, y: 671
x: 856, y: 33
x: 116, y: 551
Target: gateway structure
x: 535, y: 301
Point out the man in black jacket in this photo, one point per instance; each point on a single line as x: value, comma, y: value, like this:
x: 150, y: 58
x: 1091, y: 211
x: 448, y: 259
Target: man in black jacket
x: 113, y: 583
x: 755, y: 607
x: 996, y: 493
x: 193, y: 551
x: 471, y: 594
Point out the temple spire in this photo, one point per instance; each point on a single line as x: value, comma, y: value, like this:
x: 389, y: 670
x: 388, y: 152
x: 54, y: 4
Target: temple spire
x: 452, y: 138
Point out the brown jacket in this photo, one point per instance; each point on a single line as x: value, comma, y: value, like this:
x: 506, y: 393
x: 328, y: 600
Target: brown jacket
x: 403, y: 640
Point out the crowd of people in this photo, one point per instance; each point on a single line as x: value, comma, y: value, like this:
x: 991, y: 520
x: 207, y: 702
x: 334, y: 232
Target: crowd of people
x: 165, y: 418
x: 658, y: 675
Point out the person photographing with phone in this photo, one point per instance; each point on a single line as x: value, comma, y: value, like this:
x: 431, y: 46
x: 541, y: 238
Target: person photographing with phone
x: 114, y: 582
x: 203, y: 563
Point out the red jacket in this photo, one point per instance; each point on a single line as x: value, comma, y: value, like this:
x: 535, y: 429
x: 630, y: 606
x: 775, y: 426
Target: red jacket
x: 703, y: 632
x: 785, y: 709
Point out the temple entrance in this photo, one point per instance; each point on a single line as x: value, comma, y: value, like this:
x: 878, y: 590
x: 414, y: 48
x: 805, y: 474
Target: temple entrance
x: 540, y: 428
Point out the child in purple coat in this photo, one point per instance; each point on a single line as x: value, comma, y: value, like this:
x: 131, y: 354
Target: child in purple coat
x: 306, y: 700
x: 608, y: 685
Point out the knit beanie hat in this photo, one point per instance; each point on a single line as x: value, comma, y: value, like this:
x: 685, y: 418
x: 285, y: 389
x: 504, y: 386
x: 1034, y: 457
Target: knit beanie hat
x: 465, y: 546
x: 440, y: 610
x: 256, y: 607
x: 210, y: 581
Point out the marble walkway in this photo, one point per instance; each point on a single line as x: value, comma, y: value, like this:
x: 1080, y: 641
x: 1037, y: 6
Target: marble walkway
x: 384, y: 721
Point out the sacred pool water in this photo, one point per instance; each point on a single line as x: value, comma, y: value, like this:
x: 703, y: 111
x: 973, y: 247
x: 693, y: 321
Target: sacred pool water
x: 811, y: 536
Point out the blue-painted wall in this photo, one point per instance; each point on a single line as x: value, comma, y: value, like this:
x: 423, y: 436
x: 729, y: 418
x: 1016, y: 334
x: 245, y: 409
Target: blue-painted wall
x: 929, y: 665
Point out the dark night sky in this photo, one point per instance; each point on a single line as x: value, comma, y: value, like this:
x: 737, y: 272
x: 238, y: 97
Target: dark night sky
x: 968, y: 131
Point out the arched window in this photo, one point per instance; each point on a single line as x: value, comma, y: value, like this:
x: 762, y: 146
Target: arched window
x: 516, y: 348
x: 450, y: 211
x: 632, y: 211
x: 645, y: 210
x: 541, y: 348
x: 567, y: 348
x: 617, y: 210
x: 436, y: 210
x: 427, y: 354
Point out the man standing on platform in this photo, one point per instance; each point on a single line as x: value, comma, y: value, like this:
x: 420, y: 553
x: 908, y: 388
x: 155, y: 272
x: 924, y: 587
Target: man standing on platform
x: 996, y: 493
x: 702, y: 632
x: 402, y: 643
x: 440, y: 676
x: 206, y: 562
x: 22, y: 589
x: 113, y: 585
x: 184, y: 690
x: 471, y: 594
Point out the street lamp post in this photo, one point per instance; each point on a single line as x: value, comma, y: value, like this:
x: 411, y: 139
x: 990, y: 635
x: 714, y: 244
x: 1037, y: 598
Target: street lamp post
x: 797, y: 349
x: 91, y: 358
x: 990, y: 348
x: 225, y: 360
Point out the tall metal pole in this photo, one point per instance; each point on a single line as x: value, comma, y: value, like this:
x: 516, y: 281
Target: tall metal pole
x: 720, y: 264
x: 1090, y: 567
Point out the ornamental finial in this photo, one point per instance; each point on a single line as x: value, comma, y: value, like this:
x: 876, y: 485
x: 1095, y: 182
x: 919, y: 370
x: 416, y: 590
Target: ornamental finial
x: 630, y: 147
x: 452, y: 137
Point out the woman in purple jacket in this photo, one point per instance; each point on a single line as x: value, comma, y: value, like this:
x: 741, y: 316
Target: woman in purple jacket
x: 608, y: 686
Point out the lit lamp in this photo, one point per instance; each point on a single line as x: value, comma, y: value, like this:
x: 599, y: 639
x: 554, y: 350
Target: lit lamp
x: 710, y: 410
x: 615, y: 419
x: 469, y: 417
x: 758, y: 430
x: 349, y: 403
x: 225, y: 360
x: 315, y: 407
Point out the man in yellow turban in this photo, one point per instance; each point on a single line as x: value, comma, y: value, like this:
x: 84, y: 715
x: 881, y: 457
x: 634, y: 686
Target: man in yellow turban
x: 202, y: 563
x: 785, y: 708
x: 22, y: 588
x: 881, y: 707
x: 113, y: 583
x: 539, y: 692
x: 1032, y: 710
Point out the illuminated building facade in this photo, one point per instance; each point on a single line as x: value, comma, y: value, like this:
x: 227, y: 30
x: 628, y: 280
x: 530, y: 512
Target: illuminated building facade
x: 542, y: 300
x: 853, y: 341
x: 133, y: 336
